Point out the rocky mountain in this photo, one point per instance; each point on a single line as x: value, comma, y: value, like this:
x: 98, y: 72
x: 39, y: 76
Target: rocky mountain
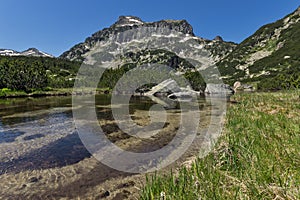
x: 29, y: 52
x: 217, y: 47
x: 270, y: 57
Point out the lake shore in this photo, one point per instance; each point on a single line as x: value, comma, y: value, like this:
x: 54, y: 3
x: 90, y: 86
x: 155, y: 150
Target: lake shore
x: 44, y: 93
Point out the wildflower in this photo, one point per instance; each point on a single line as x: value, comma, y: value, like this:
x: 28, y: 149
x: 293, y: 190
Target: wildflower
x: 162, y: 196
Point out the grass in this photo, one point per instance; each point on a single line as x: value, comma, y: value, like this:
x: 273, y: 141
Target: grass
x: 5, y: 92
x: 257, y: 156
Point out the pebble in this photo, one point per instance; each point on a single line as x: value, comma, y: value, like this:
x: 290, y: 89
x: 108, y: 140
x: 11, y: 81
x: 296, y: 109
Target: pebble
x: 105, y: 194
x: 33, y: 180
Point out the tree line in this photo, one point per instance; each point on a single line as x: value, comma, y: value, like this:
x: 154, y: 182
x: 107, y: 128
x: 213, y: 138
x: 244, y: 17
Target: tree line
x: 36, y: 73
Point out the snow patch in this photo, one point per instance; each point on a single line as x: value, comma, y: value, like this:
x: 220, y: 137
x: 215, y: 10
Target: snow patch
x: 135, y: 21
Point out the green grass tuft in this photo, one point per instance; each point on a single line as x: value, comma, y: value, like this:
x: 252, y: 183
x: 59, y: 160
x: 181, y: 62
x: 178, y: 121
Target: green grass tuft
x: 257, y: 156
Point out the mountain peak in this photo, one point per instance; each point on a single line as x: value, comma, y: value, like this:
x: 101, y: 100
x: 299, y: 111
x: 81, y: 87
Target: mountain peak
x: 177, y: 25
x: 218, y: 38
x: 29, y: 52
x: 129, y: 21
x: 32, y: 49
x: 35, y: 52
x: 125, y: 23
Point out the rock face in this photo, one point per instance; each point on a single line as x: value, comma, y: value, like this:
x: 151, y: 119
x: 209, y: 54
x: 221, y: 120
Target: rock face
x: 165, y: 87
x: 125, y: 23
x: 218, y: 89
x: 177, y: 25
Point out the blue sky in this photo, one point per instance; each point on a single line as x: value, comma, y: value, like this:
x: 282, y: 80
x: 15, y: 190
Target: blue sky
x: 54, y: 26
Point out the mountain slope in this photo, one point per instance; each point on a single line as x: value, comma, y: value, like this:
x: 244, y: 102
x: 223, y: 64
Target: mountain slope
x: 271, y: 54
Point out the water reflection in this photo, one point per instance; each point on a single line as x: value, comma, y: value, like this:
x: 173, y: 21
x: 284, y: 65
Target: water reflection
x: 65, y: 151
x: 10, y: 135
x: 39, y: 133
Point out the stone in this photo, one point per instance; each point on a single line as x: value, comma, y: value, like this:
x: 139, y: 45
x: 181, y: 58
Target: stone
x: 105, y: 194
x: 180, y: 95
x: 164, y: 87
x: 238, y: 86
x: 212, y: 88
x: 33, y: 180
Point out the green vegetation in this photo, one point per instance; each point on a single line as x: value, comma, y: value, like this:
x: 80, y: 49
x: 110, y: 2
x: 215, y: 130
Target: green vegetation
x: 280, y: 70
x: 220, y: 48
x: 8, y: 93
x: 284, y: 71
x: 158, y: 56
x: 5, y: 92
x: 195, y: 80
x: 38, y: 75
x: 257, y: 156
x: 29, y: 74
x: 110, y: 78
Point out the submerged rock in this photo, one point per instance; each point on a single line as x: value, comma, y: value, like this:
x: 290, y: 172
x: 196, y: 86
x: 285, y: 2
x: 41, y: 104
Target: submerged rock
x: 180, y: 95
x: 185, y: 94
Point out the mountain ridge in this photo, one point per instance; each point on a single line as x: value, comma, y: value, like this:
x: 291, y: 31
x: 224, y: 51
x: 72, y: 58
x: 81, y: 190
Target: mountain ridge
x: 29, y: 52
x: 125, y: 23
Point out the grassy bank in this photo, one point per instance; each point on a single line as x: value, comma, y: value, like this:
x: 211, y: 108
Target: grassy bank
x: 7, y: 93
x: 257, y: 156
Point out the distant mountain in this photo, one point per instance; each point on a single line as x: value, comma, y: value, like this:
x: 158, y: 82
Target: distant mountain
x: 35, y: 52
x: 29, y: 52
x: 218, y: 48
x: 9, y: 52
x: 271, y: 56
